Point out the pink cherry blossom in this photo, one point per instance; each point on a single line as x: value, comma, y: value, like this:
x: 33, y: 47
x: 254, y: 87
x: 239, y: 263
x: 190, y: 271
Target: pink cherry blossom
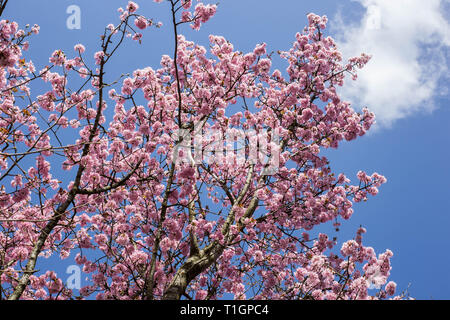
x: 132, y: 6
x: 141, y: 23
x: 80, y: 48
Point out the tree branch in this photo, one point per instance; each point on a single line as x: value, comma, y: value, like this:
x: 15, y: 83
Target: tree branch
x: 2, y: 6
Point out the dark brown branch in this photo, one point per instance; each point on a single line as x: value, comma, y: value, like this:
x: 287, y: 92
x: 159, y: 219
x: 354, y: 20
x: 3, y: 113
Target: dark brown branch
x: 112, y: 186
x: 175, y: 55
x: 2, y: 6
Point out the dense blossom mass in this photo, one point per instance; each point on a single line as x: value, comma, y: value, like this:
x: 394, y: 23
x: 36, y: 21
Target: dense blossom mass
x: 93, y: 172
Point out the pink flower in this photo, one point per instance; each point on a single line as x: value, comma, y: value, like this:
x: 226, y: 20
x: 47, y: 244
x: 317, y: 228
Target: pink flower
x: 122, y: 239
x: 186, y: 16
x: 363, y: 177
x: 307, y: 114
x: 186, y: 4
x: 137, y: 36
x: 390, y: 288
x: 79, y: 47
x: 83, y: 72
x: 349, y: 248
x: 98, y: 56
x: 258, y: 255
x: 58, y: 57
x: 124, y: 15
x: 35, y: 29
x: 201, y: 294
x: 20, y: 253
x: 187, y: 173
x: 260, y: 49
x: 40, y: 293
x: 21, y: 194
x: 141, y: 23
x: 204, y: 13
x: 132, y: 6
x: 138, y: 257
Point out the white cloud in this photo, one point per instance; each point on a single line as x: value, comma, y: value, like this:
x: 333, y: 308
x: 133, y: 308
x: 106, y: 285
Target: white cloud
x: 409, y: 42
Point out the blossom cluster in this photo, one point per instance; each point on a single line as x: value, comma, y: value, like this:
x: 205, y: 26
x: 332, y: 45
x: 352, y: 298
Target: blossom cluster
x: 140, y: 223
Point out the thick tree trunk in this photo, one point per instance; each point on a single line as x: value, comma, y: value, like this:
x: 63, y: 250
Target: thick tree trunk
x: 198, y: 263
x: 191, y: 269
x: 177, y: 286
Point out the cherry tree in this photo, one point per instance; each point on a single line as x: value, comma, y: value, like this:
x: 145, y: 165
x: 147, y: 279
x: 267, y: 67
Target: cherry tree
x: 150, y: 214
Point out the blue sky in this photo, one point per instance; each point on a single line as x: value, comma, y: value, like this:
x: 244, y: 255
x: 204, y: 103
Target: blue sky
x: 405, y: 84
